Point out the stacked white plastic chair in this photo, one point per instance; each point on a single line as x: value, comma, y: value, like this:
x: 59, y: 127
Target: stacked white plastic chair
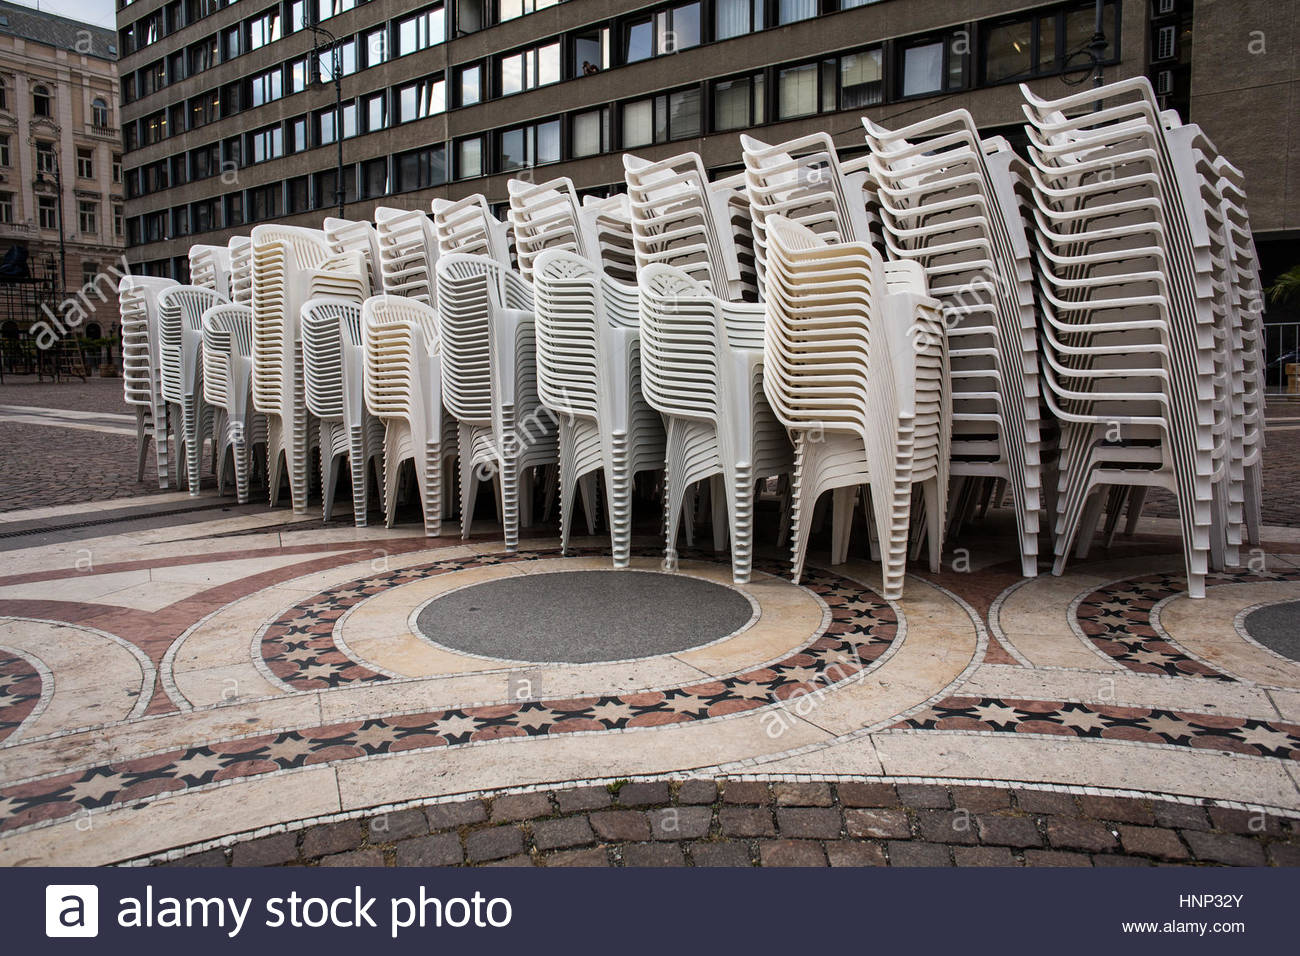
x: 227, y: 386
x: 489, y: 365
x: 210, y: 268
x: 949, y: 202
x: 588, y: 351
x: 142, y: 370
x: 180, y: 334
x: 702, y: 352
x: 333, y: 354
x: 347, y: 235
x: 403, y: 388
x: 285, y: 264
x: 855, y: 366
x: 1137, y: 281
x: 241, y: 270
x: 407, y: 253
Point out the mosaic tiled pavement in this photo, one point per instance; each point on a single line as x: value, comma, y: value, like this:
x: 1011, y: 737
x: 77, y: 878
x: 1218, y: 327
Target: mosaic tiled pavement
x: 198, y: 688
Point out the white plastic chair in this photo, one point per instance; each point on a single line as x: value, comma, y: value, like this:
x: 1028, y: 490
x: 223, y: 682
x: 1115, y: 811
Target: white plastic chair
x: 403, y: 388
x: 210, y: 268
x: 180, y: 332
x: 227, y: 387
x: 333, y: 360
x: 855, y: 366
x: 142, y: 370
x: 407, y: 253
x: 241, y: 270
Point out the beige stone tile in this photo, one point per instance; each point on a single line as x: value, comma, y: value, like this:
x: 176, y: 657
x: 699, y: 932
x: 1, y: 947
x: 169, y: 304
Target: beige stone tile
x: 847, y: 756
x: 114, y: 835
x: 210, y: 686
x: 225, y: 636
x: 1193, y: 694
x: 522, y: 761
x: 1067, y: 760
x: 1287, y: 703
x: 155, y: 734
x: 1205, y: 628
x: 96, y: 680
x: 83, y: 587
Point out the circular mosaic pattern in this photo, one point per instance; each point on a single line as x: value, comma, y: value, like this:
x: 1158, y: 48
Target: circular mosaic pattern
x: 1277, y: 627
x: 580, y: 617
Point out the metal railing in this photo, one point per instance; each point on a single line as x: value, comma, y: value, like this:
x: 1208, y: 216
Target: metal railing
x: 1281, y: 348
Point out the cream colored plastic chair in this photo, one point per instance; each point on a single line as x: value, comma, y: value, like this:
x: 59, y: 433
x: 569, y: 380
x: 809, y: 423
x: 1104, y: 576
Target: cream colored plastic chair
x: 142, y: 371
x: 403, y: 388
x: 210, y: 268
x: 180, y: 333
x: 333, y: 361
x: 241, y: 270
x: 855, y: 366
x: 227, y: 386
x: 467, y: 226
x: 408, y: 250
x: 347, y: 235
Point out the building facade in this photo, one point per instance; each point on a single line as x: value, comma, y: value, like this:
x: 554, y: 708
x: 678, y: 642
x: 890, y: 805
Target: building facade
x: 62, y: 194
x: 230, y: 115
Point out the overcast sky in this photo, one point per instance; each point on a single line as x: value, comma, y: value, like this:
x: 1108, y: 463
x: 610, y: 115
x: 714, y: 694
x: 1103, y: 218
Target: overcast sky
x: 102, y: 13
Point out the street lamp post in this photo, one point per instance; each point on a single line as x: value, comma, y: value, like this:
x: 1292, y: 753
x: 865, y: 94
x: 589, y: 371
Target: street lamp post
x: 58, y: 199
x: 336, y: 71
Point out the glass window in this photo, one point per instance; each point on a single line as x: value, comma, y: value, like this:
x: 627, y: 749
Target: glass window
x: 299, y: 75
x: 512, y: 74
x: 99, y: 113
x: 796, y: 89
x: 267, y: 143
x: 734, y: 18
x: 591, y: 52
x: 326, y: 124
x: 548, y: 142
x: 791, y: 11
x: 349, y: 119
x: 684, y: 114
x: 298, y: 198
x: 513, y: 154
x: 88, y: 216
x: 469, y: 158
x: 420, y: 31
x: 234, y: 209
x: 470, y: 84
x: 638, y: 123
x: 923, y: 69
x: 1080, y: 24
x: 640, y: 42
x: 1008, y: 50
x: 6, y: 207
x: 420, y: 168
x: 4, y: 149
x: 471, y: 15
x: 548, y: 64
x: 679, y: 28
x: 374, y: 177
x: 264, y: 29
x: 47, y: 212
x: 861, y: 79
x: 44, y: 157
x: 417, y: 100
x: 264, y: 202
x: 41, y: 101
x: 376, y: 112
x: 738, y: 104
x: 591, y: 132
x: 266, y: 87
x: 86, y: 163
x: 376, y: 43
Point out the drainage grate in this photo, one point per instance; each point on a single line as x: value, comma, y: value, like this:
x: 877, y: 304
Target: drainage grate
x: 47, y: 529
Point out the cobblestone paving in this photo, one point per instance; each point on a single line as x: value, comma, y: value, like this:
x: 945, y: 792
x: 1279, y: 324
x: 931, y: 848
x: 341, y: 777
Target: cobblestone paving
x: 42, y: 466
x: 756, y: 823
x: 92, y: 395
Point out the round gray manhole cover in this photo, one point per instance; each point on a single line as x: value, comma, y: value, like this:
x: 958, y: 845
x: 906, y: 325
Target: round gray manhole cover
x: 580, y: 617
x: 1277, y: 627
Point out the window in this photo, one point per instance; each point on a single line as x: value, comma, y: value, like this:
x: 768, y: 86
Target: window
x: 99, y: 113
x: 376, y: 43
x: 469, y: 85
x: 374, y: 177
x: 1020, y: 48
x: 204, y: 109
x: 47, y: 212
x: 657, y: 119
x: 299, y: 75
x: 590, y: 52
x: 376, y: 112
x: 41, y: 101
x: 298, y: 141
x: 1165, y: 43
x: 329, y: 8
x: 4, y: 150
x: 346, y: 54
x: 118, y: 220
x: 298, y: 192
x: 266, y: 143
x: 233, y: 152
x: 420, y: 168
x: 4, y: 99
x: 324, y: 187
x: 179, y: 173
x: 231, y: 44
x: 44, y: 157
x: 528, y: 146
x: 264, y: 202
x: 666, y: 32
x: 591, y: 132
x: 422, y: 30
x: 528, y: 69
x: 738, y: 103
x: 423, y: 98
x: 298, y: 15
x: 933, y: 64
x: 639, y: 41
x: 796, y: 89
x: 181, y: 221
x: 735, y: 18
x: 202, y: 55
x: 264, y: 29
x: 205, y: 161
x: 349, y: 119
x: 88, y: 217
x: 792, y: 11
x: 510, y: 9
x: 203, y: 215
x: 862, y: 79
x: 85, y: 163
x: 6, y: 207
x: 265, y: 87
x: 325, y: 126
x: 117, y: 167
x: 469, y: 158
x: 471, y: 15
x: 234, y: 209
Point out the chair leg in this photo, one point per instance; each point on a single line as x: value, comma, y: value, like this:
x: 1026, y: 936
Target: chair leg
x: 842, y: 499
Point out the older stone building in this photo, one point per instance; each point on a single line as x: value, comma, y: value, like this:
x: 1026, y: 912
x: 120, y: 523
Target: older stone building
x: 61, y: 191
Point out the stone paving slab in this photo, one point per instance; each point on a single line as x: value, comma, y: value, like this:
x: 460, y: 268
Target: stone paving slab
x: 729, y: 822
